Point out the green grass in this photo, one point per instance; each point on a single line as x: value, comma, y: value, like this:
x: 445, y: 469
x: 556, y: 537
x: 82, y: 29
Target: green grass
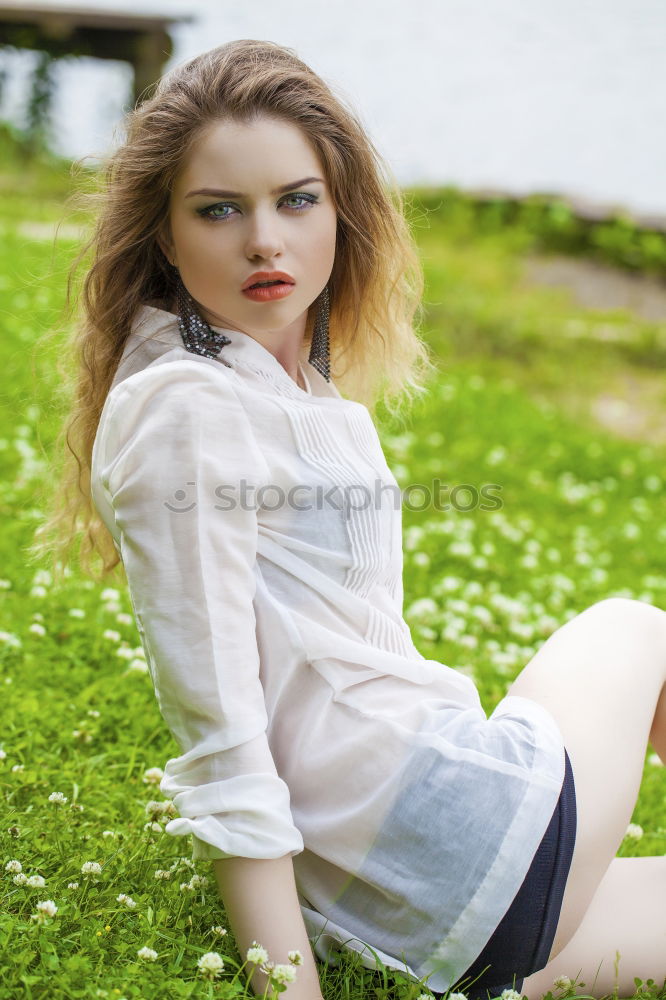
x: 581, y: 517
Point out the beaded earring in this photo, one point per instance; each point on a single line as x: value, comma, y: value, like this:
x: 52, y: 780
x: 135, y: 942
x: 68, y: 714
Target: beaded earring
x: 320, y: 347
x: 198, y: 337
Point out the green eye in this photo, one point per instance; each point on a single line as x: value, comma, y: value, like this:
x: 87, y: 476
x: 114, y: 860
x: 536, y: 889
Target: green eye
x: 213, y: 212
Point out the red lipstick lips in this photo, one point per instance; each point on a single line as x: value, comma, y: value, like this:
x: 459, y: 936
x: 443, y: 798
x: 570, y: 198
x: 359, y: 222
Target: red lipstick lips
x: 265, y: 286
x: 268, y: 276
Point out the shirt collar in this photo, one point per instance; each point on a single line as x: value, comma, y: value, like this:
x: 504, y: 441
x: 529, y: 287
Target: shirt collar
x: 159, y: 325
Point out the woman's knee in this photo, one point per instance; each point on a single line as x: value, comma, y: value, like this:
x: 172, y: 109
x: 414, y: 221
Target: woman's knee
x: 627, y: 608
x: 628, y: 619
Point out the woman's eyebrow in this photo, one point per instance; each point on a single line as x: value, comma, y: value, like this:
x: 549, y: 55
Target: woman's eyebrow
x: 217, y: 193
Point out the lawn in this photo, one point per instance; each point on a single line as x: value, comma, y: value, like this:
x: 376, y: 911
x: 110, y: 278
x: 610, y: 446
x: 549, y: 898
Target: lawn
x: 542, y: 512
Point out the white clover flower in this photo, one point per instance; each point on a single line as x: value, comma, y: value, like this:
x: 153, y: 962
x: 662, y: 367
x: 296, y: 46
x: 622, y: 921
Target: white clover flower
x: 147, y: 953
x: 38, y: 591
x: 57, y: 797
x: 198, y: 880
x: 36, y: 881
x: 161, y: 873
x: 180, y: 862
x: 412, y: 535
x: 72, y: 885
x: 109, y: 833
x: 562, y: 983
x: 109, y: 594
x: 479, y: 562
x: 509, y: 995
x: 153, y: 826
x: 496, y: 455
x: 256, y: 954
x: 91, y: 868
x: 124, y: 619
x: 127, y: 900
x: 153, y: 776
x: 76, y: 613
x: 462, y: 548
x: 5, y: 584
x: 211, y: 963
x: 221, y: 931
x: 3, y: 755
x: 160, y: 810
x: 186, y: 887
x: 452, y: 996
x: 469, y: 641
x: 43, y: 576
x: 137, y: 664
x: 18, y: 767
x: 423, y: 606
x: 10, y: 639
x: 37, y: 629
x: 93, y: 713
x: 125, y: 652
x: 634, y: 831
x: 13, y: 866
x: 20, y: 879
x: 283, y: 973
x: 110, y: 633
x: 46, y: 908
x: 653, y: 484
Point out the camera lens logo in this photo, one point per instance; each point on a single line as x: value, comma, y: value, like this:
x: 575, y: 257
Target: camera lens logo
x: 180, y: 496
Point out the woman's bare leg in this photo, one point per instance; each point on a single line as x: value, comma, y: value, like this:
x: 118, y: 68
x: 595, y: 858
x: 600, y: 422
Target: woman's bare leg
x: 626, y: 915
x: 602, y: 676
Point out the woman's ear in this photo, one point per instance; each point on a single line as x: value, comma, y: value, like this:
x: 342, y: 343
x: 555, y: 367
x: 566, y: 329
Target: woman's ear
x: 165, y: 244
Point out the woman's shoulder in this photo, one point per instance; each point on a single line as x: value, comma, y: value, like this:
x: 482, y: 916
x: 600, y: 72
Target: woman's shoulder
x: 175, y: 383
x: 174, y: 408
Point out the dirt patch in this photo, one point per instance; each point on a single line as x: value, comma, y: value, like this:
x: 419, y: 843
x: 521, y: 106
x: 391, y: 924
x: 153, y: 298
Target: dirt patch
x: 599, y: 286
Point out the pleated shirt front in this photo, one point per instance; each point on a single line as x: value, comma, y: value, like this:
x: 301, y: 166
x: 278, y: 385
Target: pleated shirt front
x: 259, y: 526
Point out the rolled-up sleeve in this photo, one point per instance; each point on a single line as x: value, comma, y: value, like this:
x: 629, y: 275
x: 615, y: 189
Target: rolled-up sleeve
x: 177, y: 448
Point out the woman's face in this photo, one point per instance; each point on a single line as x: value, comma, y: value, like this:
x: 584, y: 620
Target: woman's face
x: 252, y: 197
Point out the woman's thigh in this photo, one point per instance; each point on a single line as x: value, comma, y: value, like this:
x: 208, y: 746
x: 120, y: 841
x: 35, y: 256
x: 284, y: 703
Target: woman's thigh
x: 601, y: 676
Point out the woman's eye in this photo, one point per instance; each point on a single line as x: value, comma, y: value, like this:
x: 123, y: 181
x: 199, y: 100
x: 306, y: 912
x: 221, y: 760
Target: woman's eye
x: 211, y: 213
x: 308, y: 198
x: 214, y: 212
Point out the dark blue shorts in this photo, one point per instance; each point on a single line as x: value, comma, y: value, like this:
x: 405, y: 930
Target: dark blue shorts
x: 521, y: 942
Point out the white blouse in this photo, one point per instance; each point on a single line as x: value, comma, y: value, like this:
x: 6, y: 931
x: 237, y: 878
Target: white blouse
x: 261, y: 538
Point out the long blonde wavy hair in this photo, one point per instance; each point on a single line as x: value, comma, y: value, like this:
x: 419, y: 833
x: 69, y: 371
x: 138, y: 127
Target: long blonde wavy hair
x: 376, y: 285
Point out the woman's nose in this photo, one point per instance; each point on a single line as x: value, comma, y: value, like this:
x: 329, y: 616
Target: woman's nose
x: 264, y: 238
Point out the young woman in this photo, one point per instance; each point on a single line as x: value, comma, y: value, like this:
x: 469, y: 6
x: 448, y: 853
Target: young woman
x: 350, y: 792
